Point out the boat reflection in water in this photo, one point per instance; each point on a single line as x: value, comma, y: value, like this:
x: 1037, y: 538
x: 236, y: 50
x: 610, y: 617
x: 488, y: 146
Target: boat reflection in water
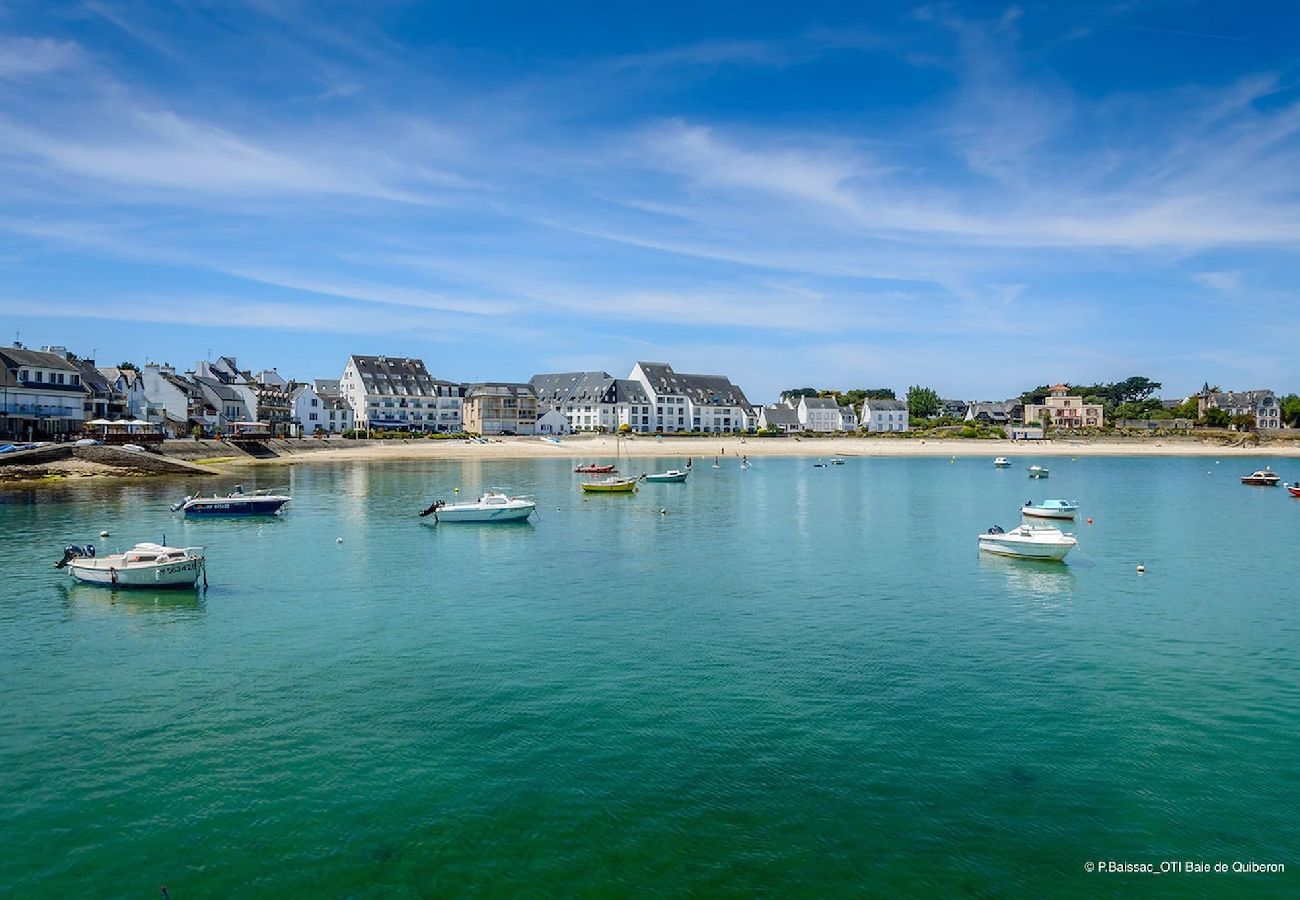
x: 1047, y: 588
x: 142, y: 601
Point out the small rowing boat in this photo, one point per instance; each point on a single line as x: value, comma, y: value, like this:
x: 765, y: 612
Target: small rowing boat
x: 593, y: 469
x: 672, y: 476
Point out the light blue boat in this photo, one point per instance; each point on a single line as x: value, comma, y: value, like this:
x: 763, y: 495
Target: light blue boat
x: 1050, y: 509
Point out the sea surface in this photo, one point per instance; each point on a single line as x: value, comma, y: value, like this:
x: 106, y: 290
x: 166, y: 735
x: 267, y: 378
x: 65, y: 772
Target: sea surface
x: 786, y: 681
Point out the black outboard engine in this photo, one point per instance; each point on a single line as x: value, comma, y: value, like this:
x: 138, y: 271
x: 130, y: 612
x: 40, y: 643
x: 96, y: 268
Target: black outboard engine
x: 996, y: 529
x: 437, y: 505
x: 72, y: 551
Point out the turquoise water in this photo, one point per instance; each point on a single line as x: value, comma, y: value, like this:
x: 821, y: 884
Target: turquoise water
x: 797, y: 681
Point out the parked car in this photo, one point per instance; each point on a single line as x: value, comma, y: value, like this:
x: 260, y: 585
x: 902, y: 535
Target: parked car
x: 87, y: 442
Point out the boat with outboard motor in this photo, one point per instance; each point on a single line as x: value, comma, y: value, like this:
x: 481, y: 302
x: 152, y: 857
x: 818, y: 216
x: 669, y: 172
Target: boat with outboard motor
x: 1293, y: 489
x: 1039, y: 472
x: 1050, y: 509
x: 1028, y: 542
x: 143, y: 566
x: 265, y: 502
x: 1001, y: 462
x: 493, y: 506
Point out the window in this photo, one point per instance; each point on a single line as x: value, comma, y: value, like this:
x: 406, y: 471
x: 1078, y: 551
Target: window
x: 40, y: 376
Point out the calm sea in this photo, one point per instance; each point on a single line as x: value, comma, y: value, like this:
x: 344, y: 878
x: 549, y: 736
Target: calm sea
x: 792, y: 681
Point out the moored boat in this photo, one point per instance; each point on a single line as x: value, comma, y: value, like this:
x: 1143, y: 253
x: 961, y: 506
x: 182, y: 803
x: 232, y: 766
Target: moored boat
x: 836, y: 461
x: 491, y: 507
x: 1025, y: 542
x: 1050, y: 509
x: 1294, y: 489
x: 593, y: 469
x: 672, y: 476
x: 1002, y: 462
x: 611, y: 486
x: 1039, y: 472
x: 143, y: 566
x: 259, y: 503
x: 1264, y: 477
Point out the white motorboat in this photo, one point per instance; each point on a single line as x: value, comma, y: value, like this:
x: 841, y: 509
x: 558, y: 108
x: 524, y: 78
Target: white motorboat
x: 1002, y: 462
x: 1025, y: 542
x: 1050, y: 509
x: 143, y: 566
x: 491, y: 507
x: 1039, y: 472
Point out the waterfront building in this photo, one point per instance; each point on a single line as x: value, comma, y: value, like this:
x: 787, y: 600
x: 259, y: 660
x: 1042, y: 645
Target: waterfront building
x: 103, y: 399
x: 500, y: 407
x: 553, y: 422
x: 688, y: 402
x: 884, y: 415
x: 227, y: 404
x: 820, y: 414
x: 391, y: 392
x: 986, y: 412
x: 848, y: 419
x: 174, y: 402
x: 127, y: 383
x: 1263, y: 405
x: 1061, y: 410
x: 41, y: 394
x: 594, y: 401
x: 779, y: 417
x: 337, y: 414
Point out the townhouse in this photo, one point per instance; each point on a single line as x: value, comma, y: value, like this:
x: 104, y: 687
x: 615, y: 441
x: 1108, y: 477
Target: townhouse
x: 884, y: 415
x: 41, y: 394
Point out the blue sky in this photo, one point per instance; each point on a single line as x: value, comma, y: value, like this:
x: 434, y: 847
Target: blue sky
x: 977, y: 197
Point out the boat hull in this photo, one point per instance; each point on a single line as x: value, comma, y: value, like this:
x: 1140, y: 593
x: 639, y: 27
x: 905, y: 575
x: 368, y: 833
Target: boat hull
x: 180, y: 574
x: 258, y: 506
x: 1293, y: 491
x: 1260, y: 482
x: 1048, y: 513
x: 495, y: 515
x: 666, y: 478
x: 594, y: 470
x: 621, y: 488
x: 1025, y: 549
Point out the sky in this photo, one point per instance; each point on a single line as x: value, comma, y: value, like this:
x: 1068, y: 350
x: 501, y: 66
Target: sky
x: 980, y: 198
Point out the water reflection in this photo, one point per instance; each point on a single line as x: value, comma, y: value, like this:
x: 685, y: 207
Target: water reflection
x: 91, y: 596
x: 1041, y: 580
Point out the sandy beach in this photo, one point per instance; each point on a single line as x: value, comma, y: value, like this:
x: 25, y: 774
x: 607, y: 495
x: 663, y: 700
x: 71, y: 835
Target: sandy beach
x: 604, y: 447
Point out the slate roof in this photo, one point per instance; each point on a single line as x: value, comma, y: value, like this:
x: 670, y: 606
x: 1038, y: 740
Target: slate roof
x: 327, y: 388
x: 219, y: 389
x: 499, y: 388
x: 1240, y: 399
x: 819, y: 403
x: 886, y: 405
x: 397, y: 376
x: 559, y: 388
x: 16, y: 357
x: 780, y: 414
x: 703, y: 390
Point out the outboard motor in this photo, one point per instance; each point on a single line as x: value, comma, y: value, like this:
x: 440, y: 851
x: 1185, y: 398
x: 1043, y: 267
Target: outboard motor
x: 72, y: 551
x: 437, y: 505
x: 996, y: 529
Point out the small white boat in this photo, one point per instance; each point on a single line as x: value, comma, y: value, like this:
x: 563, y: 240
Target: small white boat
x: 1002, y: 462
x: 1038, y: 472
x: 143, y: 566
x: 491, y: 507
x: 1025, y: 542
x: 836, y: 461
x: 1050, y: 509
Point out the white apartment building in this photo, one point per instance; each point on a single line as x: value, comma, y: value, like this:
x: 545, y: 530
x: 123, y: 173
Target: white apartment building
x: 685, y: 402
x: 594, y: 401
x: 398, y: 393
x: 337, y: 414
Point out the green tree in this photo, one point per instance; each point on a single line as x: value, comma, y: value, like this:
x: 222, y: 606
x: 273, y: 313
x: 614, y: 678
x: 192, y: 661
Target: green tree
x: 1291, y: 410
x: 128, y: 365
x: 1243, y: 422
x: 1217, y: 418
x: 796, y: 393
x: 922, y: 402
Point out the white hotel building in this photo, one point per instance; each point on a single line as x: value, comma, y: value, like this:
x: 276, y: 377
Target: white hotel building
x: 398, y: 393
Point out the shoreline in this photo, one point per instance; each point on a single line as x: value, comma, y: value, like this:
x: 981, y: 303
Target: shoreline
x: 604, y: 447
